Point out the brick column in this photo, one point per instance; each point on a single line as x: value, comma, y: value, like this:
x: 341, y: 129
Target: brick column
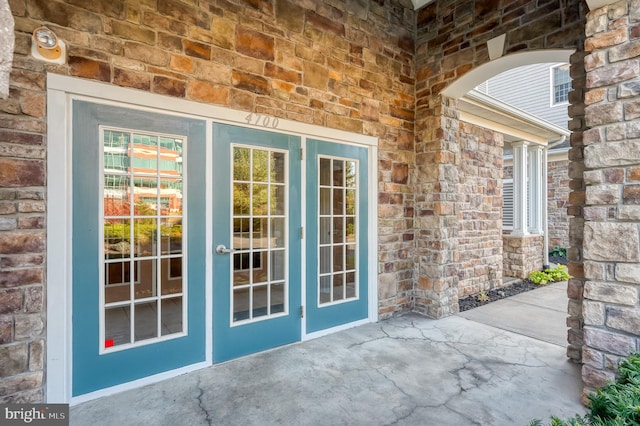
x: 611, y: 245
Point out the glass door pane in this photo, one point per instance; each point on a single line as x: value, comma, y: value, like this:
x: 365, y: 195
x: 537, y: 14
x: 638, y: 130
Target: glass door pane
x: 143, y: 227
x: 259, y: 285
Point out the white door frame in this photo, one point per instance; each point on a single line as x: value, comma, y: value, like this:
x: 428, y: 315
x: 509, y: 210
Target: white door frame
x: 61, y: 90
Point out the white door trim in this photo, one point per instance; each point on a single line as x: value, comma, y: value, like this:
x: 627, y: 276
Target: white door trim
x: 61, y: 90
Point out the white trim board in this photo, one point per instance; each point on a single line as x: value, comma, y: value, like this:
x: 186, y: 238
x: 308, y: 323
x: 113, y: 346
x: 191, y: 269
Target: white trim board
x: 61, y: 91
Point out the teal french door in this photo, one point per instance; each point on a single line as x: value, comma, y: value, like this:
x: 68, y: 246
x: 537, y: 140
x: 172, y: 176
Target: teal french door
x: 337, y: 239
x: 138, y: 245
x: 256, y: 240
x: 259, y: 270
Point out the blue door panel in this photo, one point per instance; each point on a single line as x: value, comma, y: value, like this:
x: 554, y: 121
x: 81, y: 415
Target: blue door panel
x: 321, y: 318
x: 92, y: 371
x: 234, y: 341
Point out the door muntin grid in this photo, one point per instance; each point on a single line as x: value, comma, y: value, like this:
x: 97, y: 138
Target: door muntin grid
x: 143, y: 250
x: 259, y: 262
x: 338, y: 248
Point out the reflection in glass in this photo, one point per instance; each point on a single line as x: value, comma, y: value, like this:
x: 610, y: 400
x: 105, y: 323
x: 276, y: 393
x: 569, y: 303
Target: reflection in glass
x: 338, y: 229
x: 144, y: 237
x: 338, y: 258
x: 277, y: 199
x: 241, y: 199
x: 338, y: 287
x: 325, y: 289
x: 337, y: 213
x: 171, y: 317
x: 117, y: 281
x: 350, y: 203
x: 171, y: 277
x: 278, y: 167
x: 260, y: 166
x: 117, y: 234
x: 351, y: 257
x: 143, y: 227
x: 146, y: 279
x: 259, y: 233
x: 241, y: 164
x: 351, y: 229
x: 260, y: 206
x: 325, y: 260
x: 325, y: 172
x: 351, y: 284
x: 277, y: 233
x: 338, y: 201
x: 146, y: 321
x: 350, y: 174
x: 171, y: 198
x: 277, y: 298
x: 260, y: 302
x: 117, y: 197
x: 260, y: 267
x: 325, y: 230
x: 241, y: 304
x: 277, y: 265
x: 325, y: 201
x: 338, y: 173
x: 170, y: 236
x: 117, y: 328
x: 241, y: 236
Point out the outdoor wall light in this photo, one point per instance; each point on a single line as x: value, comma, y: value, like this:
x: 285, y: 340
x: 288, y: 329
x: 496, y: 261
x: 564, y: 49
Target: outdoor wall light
x: 47, y: 47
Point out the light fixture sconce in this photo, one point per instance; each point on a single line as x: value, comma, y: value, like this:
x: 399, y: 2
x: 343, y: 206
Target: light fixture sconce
x: 46, y: 46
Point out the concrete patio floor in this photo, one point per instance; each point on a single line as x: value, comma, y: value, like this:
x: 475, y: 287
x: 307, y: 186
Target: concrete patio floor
x: 408, y: 370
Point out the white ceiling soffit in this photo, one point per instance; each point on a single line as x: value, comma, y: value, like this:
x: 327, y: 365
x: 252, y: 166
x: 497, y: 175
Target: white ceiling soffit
x: 477, y: 108
x: 417, y: 4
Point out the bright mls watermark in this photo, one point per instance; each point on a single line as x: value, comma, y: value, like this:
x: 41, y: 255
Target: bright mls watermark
x: 34, y: 414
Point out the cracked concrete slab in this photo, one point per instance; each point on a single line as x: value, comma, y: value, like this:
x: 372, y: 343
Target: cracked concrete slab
x: 405, y: 371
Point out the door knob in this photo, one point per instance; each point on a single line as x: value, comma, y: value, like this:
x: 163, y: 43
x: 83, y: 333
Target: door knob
x: 221, y: 249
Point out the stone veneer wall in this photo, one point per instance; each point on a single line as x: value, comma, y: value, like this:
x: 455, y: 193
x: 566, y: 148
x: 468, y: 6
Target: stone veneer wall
x: 479, y: 210
x: 341, y: 64
x: 611, y: 245
x: 522, y: 254
x: 451, y: 41
x: 557, y: 202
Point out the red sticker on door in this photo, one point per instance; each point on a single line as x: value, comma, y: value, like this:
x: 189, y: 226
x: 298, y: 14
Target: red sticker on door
x: 108, y: 343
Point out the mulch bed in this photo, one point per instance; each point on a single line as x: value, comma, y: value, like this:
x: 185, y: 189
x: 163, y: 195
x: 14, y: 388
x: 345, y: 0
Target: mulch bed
x: 518, y: 287
x: 471, y: 302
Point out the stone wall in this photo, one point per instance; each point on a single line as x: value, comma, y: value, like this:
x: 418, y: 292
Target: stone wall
x: 557, y: 202
x: 452, y: 40
x: 341, y: 64
x: 611, y: 244
x: 479, y: 210
x: 522, y: 254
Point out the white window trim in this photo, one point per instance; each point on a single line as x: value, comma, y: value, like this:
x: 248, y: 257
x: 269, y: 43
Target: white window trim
x: 60, y: 91
x: 552, y: 103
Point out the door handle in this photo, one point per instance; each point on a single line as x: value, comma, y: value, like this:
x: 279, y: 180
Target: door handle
x: 221, y: 249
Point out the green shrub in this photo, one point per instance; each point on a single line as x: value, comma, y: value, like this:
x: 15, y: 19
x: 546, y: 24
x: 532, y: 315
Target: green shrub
x: 616, y: 404
x: 559, y: 273
x: 558, y: 251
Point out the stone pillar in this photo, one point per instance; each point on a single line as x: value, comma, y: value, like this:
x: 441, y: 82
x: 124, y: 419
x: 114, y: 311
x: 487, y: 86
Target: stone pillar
x: 520, y: 189
x: 611, y: 235
x: 437, y: 168
x: 536, y: 198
